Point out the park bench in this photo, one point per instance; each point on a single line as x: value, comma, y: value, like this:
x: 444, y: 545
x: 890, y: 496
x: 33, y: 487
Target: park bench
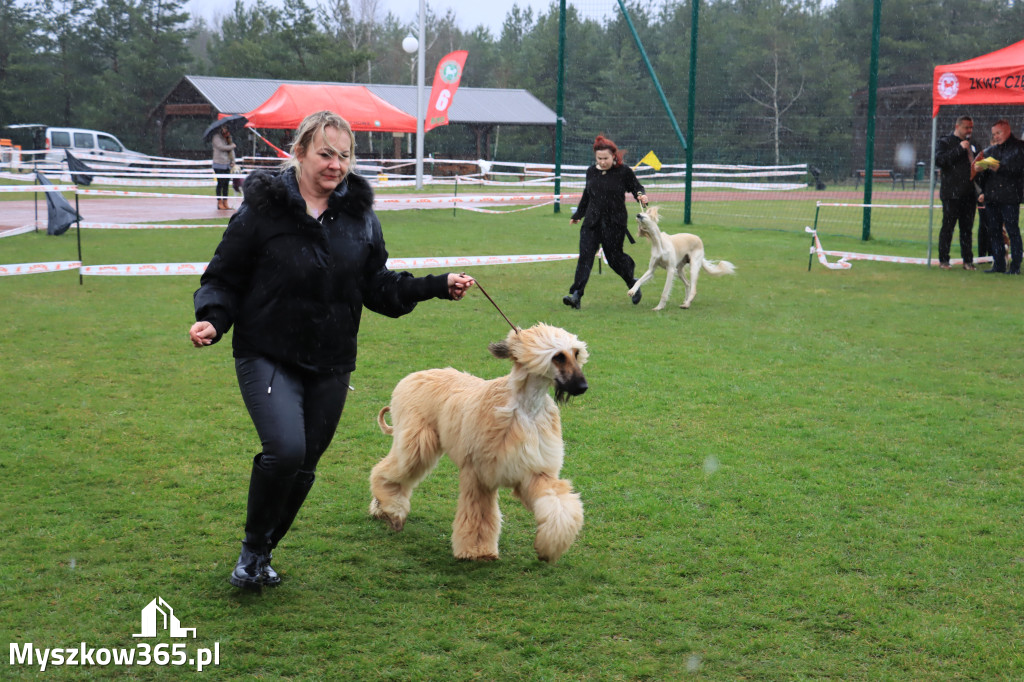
x: 893, y: 175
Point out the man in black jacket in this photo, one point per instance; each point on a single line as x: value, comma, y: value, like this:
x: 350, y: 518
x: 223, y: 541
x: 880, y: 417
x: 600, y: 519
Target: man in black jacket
x: 954, y: 155
x: 1002, y: 187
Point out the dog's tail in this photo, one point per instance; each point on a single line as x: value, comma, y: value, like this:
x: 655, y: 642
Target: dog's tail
x: 382, y: 423
x: 719, y: 267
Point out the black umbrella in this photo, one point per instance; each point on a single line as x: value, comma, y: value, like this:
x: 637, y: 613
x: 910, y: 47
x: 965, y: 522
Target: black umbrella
x: 234, y: 124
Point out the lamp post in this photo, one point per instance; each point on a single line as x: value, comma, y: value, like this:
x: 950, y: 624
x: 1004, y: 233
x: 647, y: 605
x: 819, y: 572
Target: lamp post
x: 412, y: 44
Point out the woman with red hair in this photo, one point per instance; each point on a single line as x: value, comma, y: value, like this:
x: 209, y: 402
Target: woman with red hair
x: 603, y: 210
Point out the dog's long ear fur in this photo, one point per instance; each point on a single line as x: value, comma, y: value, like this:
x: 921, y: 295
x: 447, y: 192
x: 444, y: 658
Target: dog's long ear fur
x: 500, y: 349
x: 504, y: 349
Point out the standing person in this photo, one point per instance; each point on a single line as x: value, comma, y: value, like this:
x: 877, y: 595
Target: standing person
x: 954, y: 155
x: 223, y: 159
x: 603, y: 210
x: 297, y: 263
x: 1002, y: 187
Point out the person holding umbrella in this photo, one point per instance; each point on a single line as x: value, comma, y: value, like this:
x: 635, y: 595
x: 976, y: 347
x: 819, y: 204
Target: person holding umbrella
x: 223, y: 159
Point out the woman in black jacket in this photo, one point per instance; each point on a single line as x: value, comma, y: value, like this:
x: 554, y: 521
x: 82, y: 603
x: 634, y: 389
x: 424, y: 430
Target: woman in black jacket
x: 603, y: 210
x: 297, y: 263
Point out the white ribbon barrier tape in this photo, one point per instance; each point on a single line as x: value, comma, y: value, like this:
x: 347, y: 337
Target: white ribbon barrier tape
x: 144, y: 226
x: 469, y: 261
x: 846, y: 256
x: 157, y: 269
x: 473, y: 198
x: 38, y: 188
x: 34, y: 268
x: 470, y: 198
x: 19, y: 230
x: 144, y: 269
x: 125, y: 193
x: 821, y: 203
x: 477, y: 209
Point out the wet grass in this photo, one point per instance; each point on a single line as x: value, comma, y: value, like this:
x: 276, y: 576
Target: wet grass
x: 808, y: 475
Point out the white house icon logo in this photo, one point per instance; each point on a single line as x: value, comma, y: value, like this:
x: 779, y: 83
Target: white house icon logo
x: 158, y: 611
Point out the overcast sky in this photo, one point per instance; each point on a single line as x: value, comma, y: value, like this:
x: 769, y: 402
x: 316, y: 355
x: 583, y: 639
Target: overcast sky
x: 468, y: 13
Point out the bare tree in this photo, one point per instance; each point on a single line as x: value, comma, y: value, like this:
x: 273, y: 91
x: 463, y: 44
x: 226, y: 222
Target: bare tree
x: 773, y: 102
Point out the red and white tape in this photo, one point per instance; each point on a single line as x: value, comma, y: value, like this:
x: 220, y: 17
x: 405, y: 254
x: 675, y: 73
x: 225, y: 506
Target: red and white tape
x: 473, y: 199
x: 158, y: 269
x: 144, y: 269
x: 38, y: 188
x: 35, y: 268
x: 144, y: 226
x: 846, y: 256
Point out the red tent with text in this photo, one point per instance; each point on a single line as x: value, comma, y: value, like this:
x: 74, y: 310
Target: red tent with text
x: 364, y: 110
x: 994, y: 78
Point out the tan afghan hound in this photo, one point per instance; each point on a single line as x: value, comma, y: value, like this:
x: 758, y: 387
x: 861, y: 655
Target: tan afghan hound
x: 505, y: 432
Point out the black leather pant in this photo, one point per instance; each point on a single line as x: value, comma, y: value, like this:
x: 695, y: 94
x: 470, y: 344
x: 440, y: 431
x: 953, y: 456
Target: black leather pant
x: 296, y: 414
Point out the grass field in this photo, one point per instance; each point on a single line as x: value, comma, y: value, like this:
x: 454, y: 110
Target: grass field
x: 808, y: 475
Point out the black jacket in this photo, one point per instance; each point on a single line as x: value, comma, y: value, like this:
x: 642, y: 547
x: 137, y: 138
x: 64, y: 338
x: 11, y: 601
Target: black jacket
x: 603, y: 201
x: 294, y: 288
x: 955, y: 163
x: 1005, y: 185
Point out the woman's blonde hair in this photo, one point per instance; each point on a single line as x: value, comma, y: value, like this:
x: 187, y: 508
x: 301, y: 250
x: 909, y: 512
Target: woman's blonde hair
x: 307, y: 132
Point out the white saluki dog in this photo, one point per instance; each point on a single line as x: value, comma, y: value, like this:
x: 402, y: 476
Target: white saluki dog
x: 673, y: 252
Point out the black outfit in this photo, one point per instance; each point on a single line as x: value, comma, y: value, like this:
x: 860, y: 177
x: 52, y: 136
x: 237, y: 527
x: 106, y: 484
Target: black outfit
x: 1004, y: 190
x: 959, y: 200
x: 603, y: 209
x: 294, y: 287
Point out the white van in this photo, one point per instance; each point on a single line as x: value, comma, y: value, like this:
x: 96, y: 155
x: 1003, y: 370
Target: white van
x: 88, y: 146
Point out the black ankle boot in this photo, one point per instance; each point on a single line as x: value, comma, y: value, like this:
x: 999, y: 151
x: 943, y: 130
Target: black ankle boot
x: 267, y: 495
x: 267, y: 572
x: 248, y: 573
x: 300, y: 489
x: 572, y: 300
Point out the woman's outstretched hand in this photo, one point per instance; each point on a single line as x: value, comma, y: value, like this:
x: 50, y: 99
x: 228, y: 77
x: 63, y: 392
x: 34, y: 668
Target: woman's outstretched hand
x: 458, y: 285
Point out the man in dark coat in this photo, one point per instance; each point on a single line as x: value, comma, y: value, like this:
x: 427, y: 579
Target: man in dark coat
x: 1002, y: 187
x: 954, y: 155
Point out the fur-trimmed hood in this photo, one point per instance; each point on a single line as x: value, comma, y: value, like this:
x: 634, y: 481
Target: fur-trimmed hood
x: 278, y: 191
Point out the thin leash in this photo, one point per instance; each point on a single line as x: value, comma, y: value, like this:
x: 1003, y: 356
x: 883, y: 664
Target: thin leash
x: 477, y: 282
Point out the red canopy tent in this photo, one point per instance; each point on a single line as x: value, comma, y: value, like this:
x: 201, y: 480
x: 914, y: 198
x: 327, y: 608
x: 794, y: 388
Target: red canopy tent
x: 291, y: 102
x: 993, y: 78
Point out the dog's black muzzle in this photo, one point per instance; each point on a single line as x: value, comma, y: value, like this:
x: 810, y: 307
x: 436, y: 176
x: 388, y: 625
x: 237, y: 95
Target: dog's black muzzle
x: 575, y: 386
